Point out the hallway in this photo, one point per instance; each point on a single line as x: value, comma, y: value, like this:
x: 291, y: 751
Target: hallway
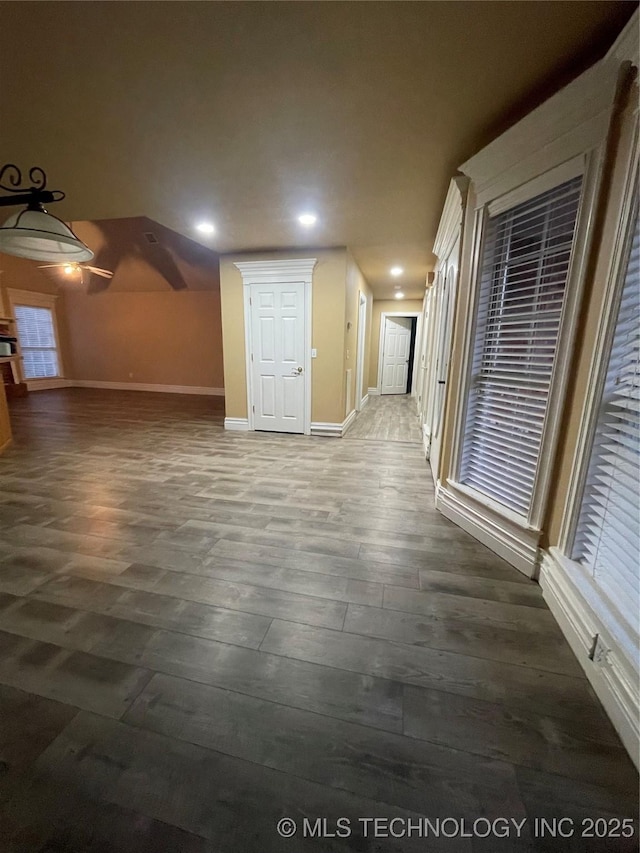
x: 205, y: 631
x: 387, y: 418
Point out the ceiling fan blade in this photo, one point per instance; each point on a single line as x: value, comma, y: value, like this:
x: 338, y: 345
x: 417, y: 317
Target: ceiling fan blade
x: 103, y: 273
x: 48, y: 266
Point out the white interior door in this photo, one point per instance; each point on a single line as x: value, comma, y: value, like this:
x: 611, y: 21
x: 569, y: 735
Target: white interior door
x: 443, y: 355
x: 395, y: 355
x: 277, y: 353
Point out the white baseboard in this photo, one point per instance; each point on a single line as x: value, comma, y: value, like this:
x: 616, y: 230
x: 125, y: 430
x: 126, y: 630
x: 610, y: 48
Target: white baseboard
x: 514, y: 543
x: 426, y: 440
x: 348, y: 420
x: 373, y: 392
x: 237, y: 424
x: 326, y: 429
x: 142, y: 386
x: 333, y: 430
x: 47, y: 384
x: 614, y: 677
x: 364, y: 401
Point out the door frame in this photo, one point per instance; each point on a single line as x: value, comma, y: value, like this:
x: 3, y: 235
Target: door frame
x: 280, y: 271
x: 362, y: 324
x: 443, y: 350
x: 383, y: 323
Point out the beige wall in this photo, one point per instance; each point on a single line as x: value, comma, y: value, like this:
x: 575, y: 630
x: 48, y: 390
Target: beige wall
x: 396, y: 306
x: 328, y: 331
x: 154, y: 338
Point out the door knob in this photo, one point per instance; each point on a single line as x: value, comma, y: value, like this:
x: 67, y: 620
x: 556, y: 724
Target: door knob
x: 296, y: 371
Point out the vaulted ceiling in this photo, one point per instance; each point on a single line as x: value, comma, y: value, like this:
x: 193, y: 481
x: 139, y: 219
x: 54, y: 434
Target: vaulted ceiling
x: 248, y: 114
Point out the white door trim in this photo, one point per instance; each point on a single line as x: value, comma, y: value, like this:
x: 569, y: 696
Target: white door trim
x: 383, y: 322
x: 279, y: 271
x: 362, y: 322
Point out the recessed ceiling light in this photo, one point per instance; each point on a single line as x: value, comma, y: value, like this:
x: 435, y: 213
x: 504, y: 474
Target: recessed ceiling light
x: 205, y: 228
x: 399, y: 295
x: 307, y: 219
x: 395, y: 271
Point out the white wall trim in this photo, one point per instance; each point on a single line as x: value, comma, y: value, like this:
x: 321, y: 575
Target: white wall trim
x: 373, y: 392
x: 327, y: 429
x: 562, y: 173
x: 48, y: 384
x: 576, y: 607
x: 333, y: 430
x: 32, y: 297
x: 360, y: 365
x: 364, y: 401
x: 145, y: 386
x: 451, y: 217
x: 279, y: 271
x: 508, y: 537
x: 383, y: 322
x: 237, y: 424
x: 276, y: 271
x: 426, y: 440
x: 574, y: 120
x: 625, y: 46
x: 348, y: 420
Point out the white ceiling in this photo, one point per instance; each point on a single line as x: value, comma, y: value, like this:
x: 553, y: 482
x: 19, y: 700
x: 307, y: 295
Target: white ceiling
x: 247, y: 114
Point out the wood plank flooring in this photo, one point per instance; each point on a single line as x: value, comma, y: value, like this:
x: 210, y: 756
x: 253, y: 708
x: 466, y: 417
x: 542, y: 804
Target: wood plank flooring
x: 391, y: 417
x: 202, y: 632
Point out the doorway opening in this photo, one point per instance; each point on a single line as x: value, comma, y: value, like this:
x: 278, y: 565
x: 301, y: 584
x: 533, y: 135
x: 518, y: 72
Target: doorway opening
x: 391, y: 411
x: 398, y: 333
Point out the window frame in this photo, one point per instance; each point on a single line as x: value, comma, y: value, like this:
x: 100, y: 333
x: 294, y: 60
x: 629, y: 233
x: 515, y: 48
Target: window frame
x: 34, y: 299
x: 497, y: 519
x: 601, y: 352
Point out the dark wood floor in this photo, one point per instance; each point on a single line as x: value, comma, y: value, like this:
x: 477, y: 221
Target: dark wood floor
x: 203, y: 632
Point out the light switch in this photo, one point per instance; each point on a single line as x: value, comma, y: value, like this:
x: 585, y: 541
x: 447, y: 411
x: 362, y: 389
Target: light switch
x: 314, y: 353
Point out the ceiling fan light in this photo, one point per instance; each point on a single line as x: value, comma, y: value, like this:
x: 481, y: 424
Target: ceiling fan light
x: 40, y: 236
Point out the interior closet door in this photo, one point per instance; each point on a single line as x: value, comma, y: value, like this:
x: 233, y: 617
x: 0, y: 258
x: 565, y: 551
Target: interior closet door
x: 446, y: 303
x: 277, y: 353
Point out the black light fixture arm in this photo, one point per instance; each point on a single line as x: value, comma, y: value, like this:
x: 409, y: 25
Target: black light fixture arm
x: 33, y: 196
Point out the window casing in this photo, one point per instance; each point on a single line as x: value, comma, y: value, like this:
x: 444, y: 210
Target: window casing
x: 37, y: 335
x: 37, y: 341
x: 523, y: 272
x: 607, y: 538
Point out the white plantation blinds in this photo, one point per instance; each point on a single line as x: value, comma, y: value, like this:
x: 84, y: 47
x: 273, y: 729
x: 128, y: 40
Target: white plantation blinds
x: 607, y: 539
x: 524, y: 268
x: 37, y: 341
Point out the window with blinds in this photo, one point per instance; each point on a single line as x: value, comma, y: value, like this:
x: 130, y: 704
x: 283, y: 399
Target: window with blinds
x: 523, y: 275
x: 607, y: 539
x: 37, y: 341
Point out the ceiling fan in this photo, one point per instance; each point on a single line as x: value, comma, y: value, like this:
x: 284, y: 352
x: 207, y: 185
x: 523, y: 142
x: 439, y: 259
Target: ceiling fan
x: 71, y: 268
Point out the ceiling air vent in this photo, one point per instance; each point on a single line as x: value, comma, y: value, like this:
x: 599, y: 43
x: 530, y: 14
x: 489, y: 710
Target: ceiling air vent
x: 150, y: 237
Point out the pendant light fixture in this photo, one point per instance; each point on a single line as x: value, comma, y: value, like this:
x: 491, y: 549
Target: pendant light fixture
x: 33, y: 232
